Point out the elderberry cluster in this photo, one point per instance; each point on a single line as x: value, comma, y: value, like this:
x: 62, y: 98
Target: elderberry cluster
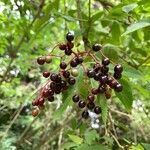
x: 66, y: 76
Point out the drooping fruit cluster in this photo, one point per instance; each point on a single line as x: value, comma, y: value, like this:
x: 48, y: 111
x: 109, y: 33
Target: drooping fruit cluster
x: 68, y: 71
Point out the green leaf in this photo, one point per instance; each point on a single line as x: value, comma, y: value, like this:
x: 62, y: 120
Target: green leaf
x: 92, y: 147
x: 146, y: 146
x: 125, y: 96
x: 91, y: 136
x: 136, y: 26
x: 96, y: 16
x: 111, y: 51
x: 136, y: 147
x: 103, y: 104
x: 129, y: 7
x: 67, y: 101
x: 76, y: 139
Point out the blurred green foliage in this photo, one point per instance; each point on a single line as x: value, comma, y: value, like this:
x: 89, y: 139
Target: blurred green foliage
x: 29, y: 29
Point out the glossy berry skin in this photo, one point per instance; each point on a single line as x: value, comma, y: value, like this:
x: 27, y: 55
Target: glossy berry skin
x: 63, y: 65
x: 81, y: 104
x: 62, y: 46
x: 104, y: 69
x: 74, y: 72
x: 75, y: 98
x: 101, y: 89
x: 105, y: 61
x: 35, y: 102
x: 113, y: 84
x: 90, y: 73
x: 68, y: 51
x: 45, y: 93
x: 85, y: 114
x: 117, y: 76
x: 71, y: 81
x: 110, y: 79
x: 63, y: 83
x: 35, y: 112
x: 80, y: 59
x: 70, y: 36
x: 70, y: 45
x: 97, y: 110
x: 118, y: 69
x: 97, y: 67
x: 41, y: 60
x: 96, y: 47
x: 73, y: 63
x: 55, y: 77
x: 94, y: 91
x: 91, y: 98
x: 66, y: 74
x: 97, y: 76
x: 118, y: 87
x: 103, y: 79
x: 41, y: 101
x: 46, y: 74
x: 90, y: 105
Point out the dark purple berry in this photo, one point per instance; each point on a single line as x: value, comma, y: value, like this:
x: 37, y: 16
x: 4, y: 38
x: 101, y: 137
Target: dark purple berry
x: 90, y: 105
x: 96, y: 47
x: 97, y: 67
x: 103, y: 79
x: 41, y: 60
x: 63, y: 83
x: 94, y: 91
x: 62, y: 46
x: 113, y: 84
x: 81, y: 104
x: 75, y: 98
x: 118, y: 87
x: 70, y: 45
x: 66, y: 74
x: 97, y: 110
x: 101, y: 89
x: 118, y: 69
x: 73, y: 63
x: 68, y: 51
x: 46, y: 74
x: 71, y: 81
x: 90, y: 73
x: 91, y: 98
x: 70, y: 36
x: 85, y: 114
x: 104, y: 69
x: 117, y: 76
x: 63, y: 65
x: 105, y: 61
x: 80, y: 59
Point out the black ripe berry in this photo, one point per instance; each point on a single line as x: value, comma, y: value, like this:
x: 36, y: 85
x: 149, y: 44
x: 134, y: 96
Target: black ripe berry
x: 91, y: 98
x: 55, y: 77
x: 71, y: 81
x: 70, y: 36
x: 70, y: 45
x: 118, y: 69
x: 73, y: 63
x: 41, y: 60
x: 103, y: 79
x: 85, y: 114
x: 90, y: 105
x: 118, y: 87
x: 81, y: 104
x: 101, y: 89
x: 90, y: 73
x: 62, y: 46
x: 104, y: 69
x: 96, y: 47
x: 46, y: 74
x: 63, y: 65
x: 68, y: 51
x: 105, y: 61
x: 80, y: 59
x: 117, y: 76
x: 97, y: 110
x: 95, y: 91
x: 75, y: 98
x: 63, y: 83
x: 66, y: 74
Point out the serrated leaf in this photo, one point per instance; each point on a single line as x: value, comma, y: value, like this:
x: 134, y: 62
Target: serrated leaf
x: 76, y: 139
x: 125, y: 96
x: 129, y: 7
x: 91, y: 136
x: 103, y: 104
x: 67, y: 101
x: 137, y: 26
